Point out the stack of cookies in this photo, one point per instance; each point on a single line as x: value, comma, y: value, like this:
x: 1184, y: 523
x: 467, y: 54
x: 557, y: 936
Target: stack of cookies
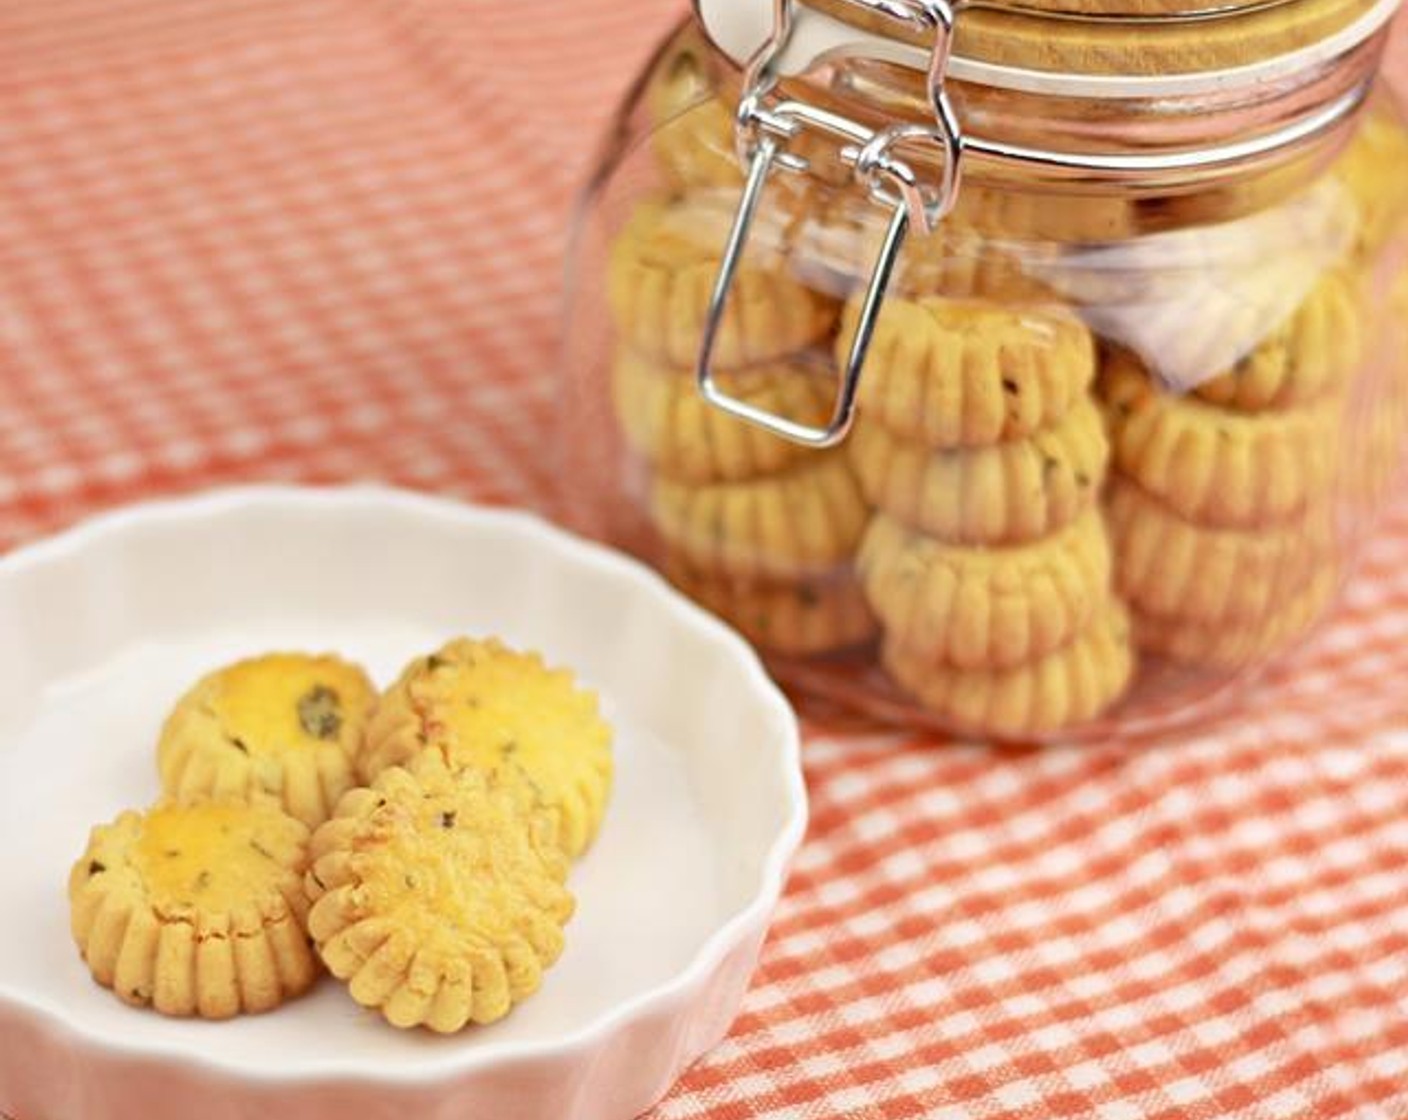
x: 1222, y: 504
x: 987, y: 561
x: 761, y: 530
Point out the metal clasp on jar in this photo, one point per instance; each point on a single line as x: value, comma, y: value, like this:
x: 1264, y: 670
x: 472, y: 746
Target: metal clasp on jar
x: 763, y: 132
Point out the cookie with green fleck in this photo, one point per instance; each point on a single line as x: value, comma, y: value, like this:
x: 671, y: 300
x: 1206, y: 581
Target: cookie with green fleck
x: 823, y: 614
x: 480, y: 704
x: 196, y: 910
x: 985, y: 608
x: 284, y: 727
x: 1002, y: 493
x: 968, y: 373
x: 795, y: 524
x: 1217, y: 466
x: 438, y: 894
x: 1062, y: 689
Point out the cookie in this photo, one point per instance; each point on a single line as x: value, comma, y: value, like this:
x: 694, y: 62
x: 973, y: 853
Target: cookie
x: 1004, y: 493
x: 984, y: 608
x: 1372, y: 170
x: 438, y: 894
x: 1032, y: 221
x: 802, y: 523
x: 835, y: 242
x: 692, y: 126
x: 962, y: 373
x: 1215, y: 466
x: 805, y: 616
x: 1167, y: 566
x: 482, y: 704
x: 1065, y: 688
x: 694, y: 146
x: 195, y: 910
x: 664, y: 264
x: 1312, y: 354
x: 684, y: 437
x: 692, y: 134
x: 1226, y: 648
x: 285, y: 727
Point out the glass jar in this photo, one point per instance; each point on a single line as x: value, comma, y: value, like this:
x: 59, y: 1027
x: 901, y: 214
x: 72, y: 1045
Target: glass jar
x: 1013, y: 388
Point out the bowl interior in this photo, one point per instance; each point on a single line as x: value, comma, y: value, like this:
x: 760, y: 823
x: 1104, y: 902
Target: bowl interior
x: 104, y: 628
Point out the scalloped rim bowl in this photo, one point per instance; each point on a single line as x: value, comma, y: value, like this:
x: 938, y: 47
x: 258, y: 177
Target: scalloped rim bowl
x: 102, y: 627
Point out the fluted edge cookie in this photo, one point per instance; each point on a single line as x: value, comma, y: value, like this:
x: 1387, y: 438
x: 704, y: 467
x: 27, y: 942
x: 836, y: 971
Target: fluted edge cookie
x: 1215, y: 466
x: 1005, y: 493
x: 196, y: 909
x: 803, y: 522
x: 1167, y: 566
x: 483, y: 704
x: 663, y: 267
x: 805, y: 616
x: 438, y: 894
x: 1311, y: 355
x: 692, y: 137
x: 839, y: 236
x: 284, y: 727
x: 1068, y: 687
x: 963, y: 373
x: 1228, y: 647
x: 984, y: 608
x: 685, y: 437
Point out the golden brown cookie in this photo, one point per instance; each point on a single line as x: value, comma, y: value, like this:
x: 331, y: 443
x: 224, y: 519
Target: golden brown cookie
x: 286, y: 727
x: 694, y: 146
x: 1372, y: 170
x: 801, y: 523
x: 1032, y: 219
x: 688, y: 439
x: 664, y: 264
x: 1005, y: 493
x: 1312, y: 354
x: 438, y: 894
x: 195, y: 910
x: 482, y: 704
x: 836, y: 239
x: 800, y: 617
x: 984, y: 608
x: 692, y: 117
x: 1226, y: 647
x: 1167, y: 566
x: 693, y: 129
x: 962, y: 373
x: 1215, y: 466
x: 1067, y: 687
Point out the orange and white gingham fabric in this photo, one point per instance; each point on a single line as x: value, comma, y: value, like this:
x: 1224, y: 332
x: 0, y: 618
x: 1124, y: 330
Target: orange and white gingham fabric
x: 318, y: 240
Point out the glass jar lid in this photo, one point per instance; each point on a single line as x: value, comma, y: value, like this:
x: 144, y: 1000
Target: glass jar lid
x: 1108, y: 48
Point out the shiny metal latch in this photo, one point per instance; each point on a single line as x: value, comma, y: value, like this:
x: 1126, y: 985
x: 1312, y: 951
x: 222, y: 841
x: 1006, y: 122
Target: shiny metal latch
x: 765, y: 126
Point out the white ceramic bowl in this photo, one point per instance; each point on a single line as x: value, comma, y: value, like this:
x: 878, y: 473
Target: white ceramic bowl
x: 102, y: 628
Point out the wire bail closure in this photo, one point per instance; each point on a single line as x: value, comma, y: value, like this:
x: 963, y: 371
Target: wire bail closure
x: 762, y: 134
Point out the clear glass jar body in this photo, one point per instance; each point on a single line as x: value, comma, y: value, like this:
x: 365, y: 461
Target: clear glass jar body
x: 1117, y: 443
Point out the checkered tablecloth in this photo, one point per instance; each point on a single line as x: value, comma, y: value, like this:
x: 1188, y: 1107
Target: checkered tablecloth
x: 315, y: 240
